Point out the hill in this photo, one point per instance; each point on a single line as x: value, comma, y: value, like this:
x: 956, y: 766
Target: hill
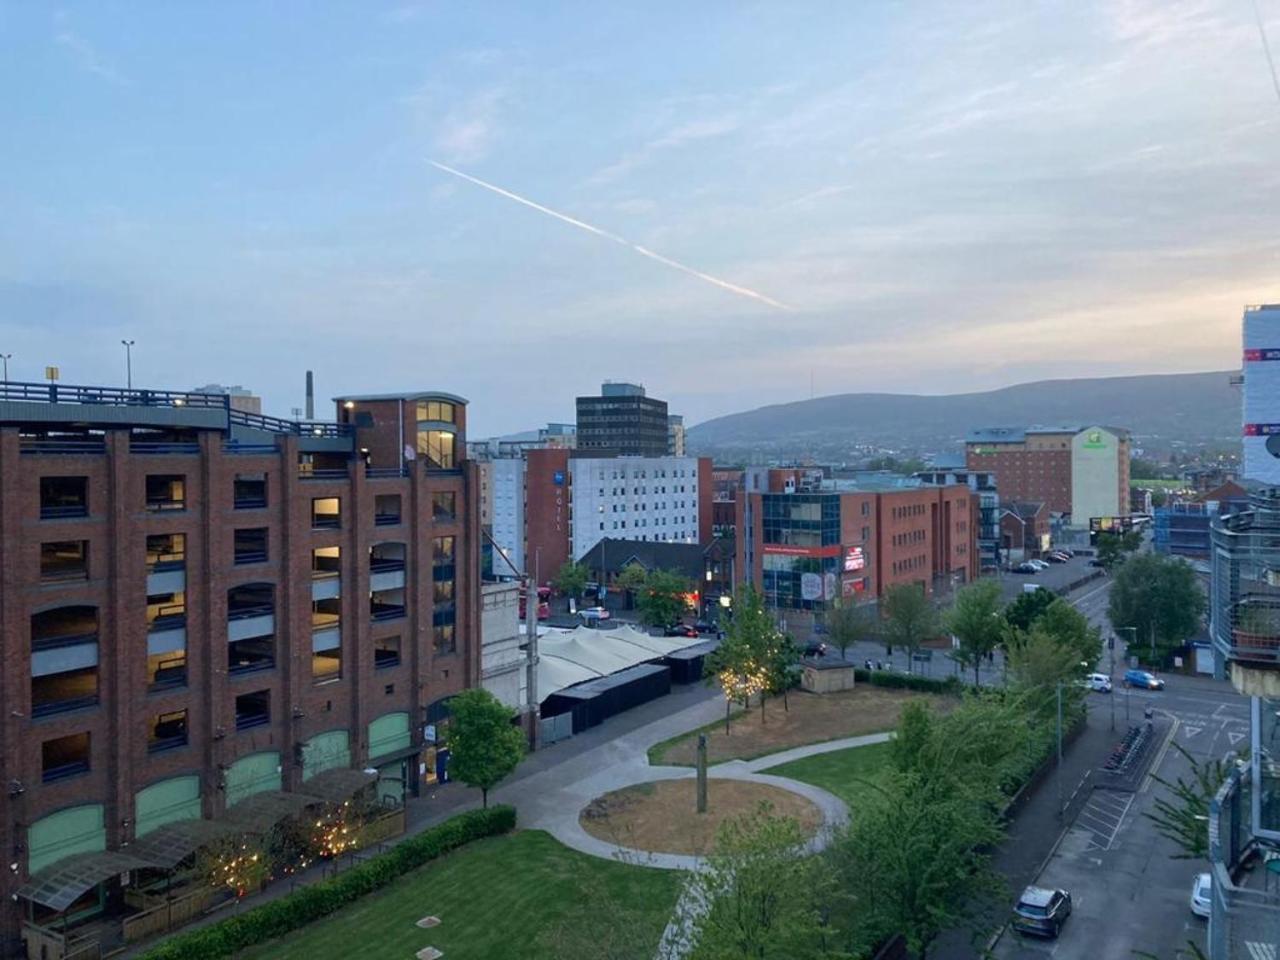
x: 1199, y: 408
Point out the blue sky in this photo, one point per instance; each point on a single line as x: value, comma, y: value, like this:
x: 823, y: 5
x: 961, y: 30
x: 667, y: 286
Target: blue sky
x: 951, y: 196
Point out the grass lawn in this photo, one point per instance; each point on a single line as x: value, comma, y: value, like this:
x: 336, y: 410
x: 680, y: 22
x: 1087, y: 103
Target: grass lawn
x: 495, y: 898
x: 838, y: 771
x: 813, y: 718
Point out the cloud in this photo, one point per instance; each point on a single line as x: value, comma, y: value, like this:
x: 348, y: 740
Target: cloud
x: 677, y: 136
x: 468, y: 131
x: 83, y: 53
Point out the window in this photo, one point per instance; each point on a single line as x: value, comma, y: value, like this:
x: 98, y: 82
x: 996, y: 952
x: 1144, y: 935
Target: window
x: 251, y: 545
x: 439, y: 410
x: 386, y: 509
x: 326, y: 562
x: 251, y: 655
x: 253, y: 709
x: 250, y: 491
x: 443, y: 592
x: 445, y: 639
x: 166, y: 492
x: 326, y: 513
x: 64, y: 757
x: 326, y: 641
x: 64, y: 497
x: 438, y: 447
x: 386, y: 652
x: 64, y: 560
x: 64, y: 659
x: 444, y: 505
x: 386, y: 604
x: 168, y: 731
x: 166, y: 611
x: 166, y: 551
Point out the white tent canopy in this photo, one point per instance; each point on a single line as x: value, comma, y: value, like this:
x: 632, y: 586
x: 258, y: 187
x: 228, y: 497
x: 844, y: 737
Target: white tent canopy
x: 566, y: 657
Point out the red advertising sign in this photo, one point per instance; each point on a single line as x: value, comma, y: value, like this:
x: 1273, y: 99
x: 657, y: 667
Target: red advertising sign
x: 854, y: 559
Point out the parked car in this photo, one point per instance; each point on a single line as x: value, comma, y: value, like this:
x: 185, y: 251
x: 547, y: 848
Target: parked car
x: 1055, y: 558
x: 1038, y: 564
x: 1098, y: 682
x: 1201, y: 889
x: 1144, y: 679
x: 593, y: 614
x: 1065, y: 551
x: 1041, y: 912
x: 682, y: 630
x: 815, y: 648
x: 1026, y: 567
x: 705, y: 626
x: 1095, y: 562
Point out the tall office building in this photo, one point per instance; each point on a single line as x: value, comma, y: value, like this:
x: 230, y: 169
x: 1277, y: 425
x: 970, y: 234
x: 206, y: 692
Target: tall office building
x: 675, y: 435
x: 622, y: 422
x: 211, y: 620
x: 1262, y: 393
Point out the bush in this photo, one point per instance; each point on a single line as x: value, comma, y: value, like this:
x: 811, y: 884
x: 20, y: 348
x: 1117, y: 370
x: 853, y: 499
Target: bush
x: 907, y: 681
x: 308, y: 904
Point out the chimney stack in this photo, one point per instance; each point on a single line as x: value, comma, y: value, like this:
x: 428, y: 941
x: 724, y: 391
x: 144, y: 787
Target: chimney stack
x: 311, y: 397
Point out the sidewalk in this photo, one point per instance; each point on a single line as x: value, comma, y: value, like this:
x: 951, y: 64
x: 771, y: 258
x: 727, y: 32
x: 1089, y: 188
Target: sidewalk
x: 1035, y: 831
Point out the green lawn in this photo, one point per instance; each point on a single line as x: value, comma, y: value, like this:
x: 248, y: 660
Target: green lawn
x: 495, y: 898
x: 838, y: 771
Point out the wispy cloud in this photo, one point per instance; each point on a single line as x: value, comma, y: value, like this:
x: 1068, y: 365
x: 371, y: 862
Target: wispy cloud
x: 680, y: 135
x: 83, y: 53
x: 467, y: 132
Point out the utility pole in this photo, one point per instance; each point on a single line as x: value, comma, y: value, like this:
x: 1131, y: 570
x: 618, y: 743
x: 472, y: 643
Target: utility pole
x: 6, y: 357
x: 128, y: 363
x: 702, y: 773
x: 1061, y: 803
x: 531, y: 655
x: 1111, y: 677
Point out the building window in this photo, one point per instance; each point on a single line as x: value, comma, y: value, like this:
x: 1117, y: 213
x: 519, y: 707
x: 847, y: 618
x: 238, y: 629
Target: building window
x: 441, y: 411
x: 444, y: 505
x: 445, y: 639
x: 64, y: 659
x: 166, y: 551
x: 64, y: 757
x: 438, y: 447
x: 251, y: 545
x: 386, y: 652
x: 167, y: 731
x: 326, y: 513
x: 253, y: 709
x: 326, y: 562
x: 64, y: 560
x: 326, y: 641
x: 166, y: 492
x: 386, y: 509
x: 250, y: 491
x: 64, y: 497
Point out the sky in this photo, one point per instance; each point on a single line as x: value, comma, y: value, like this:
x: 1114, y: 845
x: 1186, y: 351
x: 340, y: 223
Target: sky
x: 926, y: 197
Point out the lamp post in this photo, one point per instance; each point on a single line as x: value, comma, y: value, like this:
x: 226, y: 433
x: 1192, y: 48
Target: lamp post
x: 5, y: 358
x: 128, y: 362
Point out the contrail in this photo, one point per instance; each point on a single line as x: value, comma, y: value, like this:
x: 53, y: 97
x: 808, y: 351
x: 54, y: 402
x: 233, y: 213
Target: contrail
x: 1266, y: 48
x: 643, y: 251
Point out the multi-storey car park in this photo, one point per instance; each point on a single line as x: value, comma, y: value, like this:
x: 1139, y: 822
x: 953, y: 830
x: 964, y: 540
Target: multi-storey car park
x: 212, y: 620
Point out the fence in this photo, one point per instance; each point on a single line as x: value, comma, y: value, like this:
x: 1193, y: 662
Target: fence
x: 160, y: 914
x: 381, y: 829
x: 554, y: 729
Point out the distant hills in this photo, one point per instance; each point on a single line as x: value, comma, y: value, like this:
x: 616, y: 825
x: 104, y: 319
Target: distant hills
x: 1198, y: 408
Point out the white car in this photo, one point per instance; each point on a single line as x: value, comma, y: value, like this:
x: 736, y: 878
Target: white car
x: 593, y: 614
x: 1099, y: 682
x: 1201, y: 890
x: 1038, y: 564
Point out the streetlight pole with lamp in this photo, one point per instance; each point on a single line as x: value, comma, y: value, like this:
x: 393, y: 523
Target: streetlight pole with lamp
x: 6, y: 357
x: 1127, y: 698
x: 128, y: 362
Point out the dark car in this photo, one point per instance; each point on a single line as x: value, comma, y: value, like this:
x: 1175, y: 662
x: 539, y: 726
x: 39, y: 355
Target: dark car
x: 815, y: 648
x: 1095, y: 562
x: 681, y: 630
x: 705, y: 626
x: 1026, y: 568
x: 1041, y: 912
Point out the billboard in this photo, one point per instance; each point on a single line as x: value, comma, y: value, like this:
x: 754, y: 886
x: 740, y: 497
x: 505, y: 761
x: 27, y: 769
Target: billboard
x: 854, y: 559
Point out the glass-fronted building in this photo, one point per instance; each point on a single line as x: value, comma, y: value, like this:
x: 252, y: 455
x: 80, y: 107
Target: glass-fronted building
x: 800, y: 550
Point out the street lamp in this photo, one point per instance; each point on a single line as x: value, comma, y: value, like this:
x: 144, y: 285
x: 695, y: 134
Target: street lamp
x: 128, y: 362
x: 5, y: 358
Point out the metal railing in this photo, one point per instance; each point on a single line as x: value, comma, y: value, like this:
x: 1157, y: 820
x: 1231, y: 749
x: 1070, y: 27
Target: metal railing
x: 383, y: 659
x: 63, y: 511
x: 299, y: 428
x: 248, y: 721
x: 322, y: 473
x: 383, y: 612
x: 251, y: 666
x: 156, y: 447
x: 250, y: 556
x: 161, y: 744
x: 51, y: 707
x: 250, y: 503
x: 168, y: 619
x: 385, y: 564
x: 242, y: 448
x: 253, y: 610
x: 64, y: 770
x: 50, y: 446
x: 57, y: 641
x: 166, y: 505
x: 379, y: 472
x: 386, y: 519
x: 326, y: 521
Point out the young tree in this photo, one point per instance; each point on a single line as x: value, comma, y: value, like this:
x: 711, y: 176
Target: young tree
x: 977, y: 624
x: 1160, y: 597
x: 761, y: 893
x: 484, y: 746
x: 571, y: 580
x: 783, y: 665
x: 1183, y: 815
x: 1114, y: 548
x: 1072, y: 629
x: 1027, y: 607
x: 663, y: 598
x: 910, y: 617
x: 847, y: 624
x: 1039, y: 664
x: 741, y: 663
x: 631, y: 580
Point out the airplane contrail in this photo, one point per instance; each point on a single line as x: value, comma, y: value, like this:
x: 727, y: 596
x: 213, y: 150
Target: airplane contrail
x: 643, y: 251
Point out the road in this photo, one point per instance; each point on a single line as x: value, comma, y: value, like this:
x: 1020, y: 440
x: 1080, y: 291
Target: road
x: 1129, y: 894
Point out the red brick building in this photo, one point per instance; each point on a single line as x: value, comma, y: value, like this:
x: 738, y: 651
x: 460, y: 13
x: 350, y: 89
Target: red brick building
x: 202, y: 606
x: 1030, y: 465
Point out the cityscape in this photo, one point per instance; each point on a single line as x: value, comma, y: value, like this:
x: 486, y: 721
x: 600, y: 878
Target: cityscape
x: 639, y: 579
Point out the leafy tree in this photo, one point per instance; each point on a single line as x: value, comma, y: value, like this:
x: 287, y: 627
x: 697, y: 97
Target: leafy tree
x: 894, y: 465
x: 1072, y: 629
x: 484, y: 746
x: 1039, y: 663
x: 1114, y: 548
x: 631, y: 579
x: 977, y: 624
x: 783, y: 667
x: 739, y: 663
x: 571, y: 580
x: 847, y: 624
x: 1183, y: 815
x: 662, y: 598
x: 1026, y: 607
x: 910, y: 617
x: 1159, y: 597
x: 761, y: 891
x: 1141, y: 469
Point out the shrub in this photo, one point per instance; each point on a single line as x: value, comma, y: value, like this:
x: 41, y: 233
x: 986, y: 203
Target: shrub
x: 311, y: 903
x: 907, y: 681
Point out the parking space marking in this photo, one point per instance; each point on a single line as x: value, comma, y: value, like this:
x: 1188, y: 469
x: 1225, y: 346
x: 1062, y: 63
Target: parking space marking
x: 1102, y: 818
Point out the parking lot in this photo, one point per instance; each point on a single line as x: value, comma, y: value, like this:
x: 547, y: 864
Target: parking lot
x: 1102, y: 816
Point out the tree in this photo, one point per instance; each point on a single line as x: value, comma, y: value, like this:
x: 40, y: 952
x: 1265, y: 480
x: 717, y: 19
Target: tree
x: 1114, y: 548
x: 1140, y: 469
x: 739, y: 663
x: 1039, y: 663
x: 1072, y: 629
x: 631, y: 579
x: 663, y: 598
x: 484, y: 746
x: 1183, y: 815
x: 1160, y: 598
x: 782, y: 664
x: 571, y: 580
x: 910, y: 617
x: 1026, y: 607
x: 976, y: 622
x: 847, y: 624
x: 761, y: 893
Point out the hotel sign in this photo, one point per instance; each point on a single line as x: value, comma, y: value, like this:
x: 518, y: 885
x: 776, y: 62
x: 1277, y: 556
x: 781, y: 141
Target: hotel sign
x: 789, y: 550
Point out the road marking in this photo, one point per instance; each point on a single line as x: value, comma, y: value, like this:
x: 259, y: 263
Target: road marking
x: 1108, y: 822
x: 1192, y: 731
x: 1234, y: 737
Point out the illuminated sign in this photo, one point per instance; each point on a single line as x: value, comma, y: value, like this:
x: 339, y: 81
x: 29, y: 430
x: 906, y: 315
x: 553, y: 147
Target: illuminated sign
x: 1261, y: 429
x: 788, y: 550
x: 1095, y: 441
x: 558, y: 478
x: 1263, y: 354
x: 854, y: 559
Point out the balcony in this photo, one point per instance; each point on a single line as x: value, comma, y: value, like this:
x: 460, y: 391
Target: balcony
x: 379, y: 611
x: 1255, y: 630
x: 1245, y: 921
x: 249, y: 622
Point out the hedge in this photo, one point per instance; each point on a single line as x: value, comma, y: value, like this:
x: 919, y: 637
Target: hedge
x: 311, y: 903
x: 907, y: 681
